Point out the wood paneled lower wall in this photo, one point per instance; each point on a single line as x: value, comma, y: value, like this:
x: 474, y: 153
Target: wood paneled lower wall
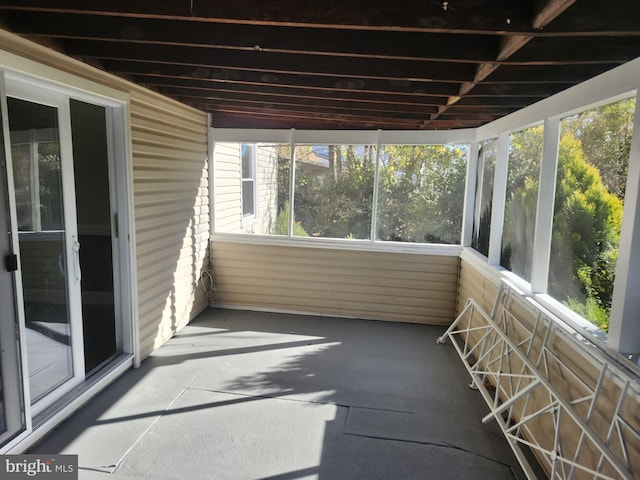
x: 402, y: 287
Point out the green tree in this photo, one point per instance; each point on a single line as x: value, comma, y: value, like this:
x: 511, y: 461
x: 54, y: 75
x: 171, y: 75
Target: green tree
x: 586, y: 232
x: 585, y: 235
x: 284, y: 175
x: 525, y: 154
x: 421, y: 188
x: 335, y: 200
x: 281, y: 226
x: 590, y: 185
x: 606, y: 133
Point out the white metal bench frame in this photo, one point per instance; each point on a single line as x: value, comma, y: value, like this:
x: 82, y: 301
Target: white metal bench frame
x: 490, y: 361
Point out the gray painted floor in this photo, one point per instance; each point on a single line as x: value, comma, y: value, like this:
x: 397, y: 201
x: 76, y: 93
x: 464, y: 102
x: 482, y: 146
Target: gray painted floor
x: 246, y: 395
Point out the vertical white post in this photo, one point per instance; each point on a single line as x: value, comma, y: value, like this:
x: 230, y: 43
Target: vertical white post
x: 499, y: 194
x: 544, y: 210
x: 470, y: 195
x: 211, y: 149
x: 376, y: 178
x: 624, y: 325
x: 13, y: 358
x: 292, y: 181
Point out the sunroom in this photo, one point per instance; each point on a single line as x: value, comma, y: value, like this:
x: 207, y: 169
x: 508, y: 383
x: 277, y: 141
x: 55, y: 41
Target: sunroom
x: 502, y: 205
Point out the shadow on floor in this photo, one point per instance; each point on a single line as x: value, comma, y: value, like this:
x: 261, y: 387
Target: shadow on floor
x: 247, y: 395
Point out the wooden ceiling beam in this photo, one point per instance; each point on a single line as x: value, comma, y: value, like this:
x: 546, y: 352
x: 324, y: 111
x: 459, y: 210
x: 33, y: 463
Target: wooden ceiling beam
x: 546, y: 74
x: 252, y: 79
x: 348, y: 108
x: 546, y: 11
x: 532, y: 90
x: 597, y: 17
x: 497, y: 101
x: 243, y: 120
x: 338, y: 118
x: 409, y: 15
x: 549, y: 10
x: 510, y: 45
x: 233, y: 118
x: 203, y: 87
x: 273, y: 62
x: 381, y: 45
x: 342, y: 63
x: 583, y: 50
x: 488, y: 17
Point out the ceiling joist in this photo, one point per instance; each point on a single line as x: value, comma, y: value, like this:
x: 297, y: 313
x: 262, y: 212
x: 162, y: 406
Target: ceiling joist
x: 341, y: 63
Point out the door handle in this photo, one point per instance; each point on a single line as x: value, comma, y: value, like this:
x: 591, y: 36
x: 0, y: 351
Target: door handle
x: 76, y: 257
x: 11, y: 263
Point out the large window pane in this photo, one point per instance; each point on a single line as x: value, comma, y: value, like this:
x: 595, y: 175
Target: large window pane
x: 421, y: 193
x: 525, y: 154
x: 484, y: 196
x: 590, y: 186
x: 334, y: 190
x: 252, y: 194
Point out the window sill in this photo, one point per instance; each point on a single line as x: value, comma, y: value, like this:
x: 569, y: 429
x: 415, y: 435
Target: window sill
x: 631, y: 361
x: 590, y: 339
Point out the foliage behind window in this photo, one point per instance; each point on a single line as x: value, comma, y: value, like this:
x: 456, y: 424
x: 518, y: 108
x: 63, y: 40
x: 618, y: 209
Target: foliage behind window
x: 334, y: 190
x: 523, y: 172
x: 421, y: 193
x: 590, y: 186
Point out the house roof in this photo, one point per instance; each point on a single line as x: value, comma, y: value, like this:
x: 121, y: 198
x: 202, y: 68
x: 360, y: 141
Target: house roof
x: 342, y: 64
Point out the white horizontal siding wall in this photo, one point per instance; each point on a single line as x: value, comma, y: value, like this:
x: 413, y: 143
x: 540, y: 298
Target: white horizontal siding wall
x: 267, y: 189
x: 228, y: 188
x: 170, y: 178
x: 383, y: 286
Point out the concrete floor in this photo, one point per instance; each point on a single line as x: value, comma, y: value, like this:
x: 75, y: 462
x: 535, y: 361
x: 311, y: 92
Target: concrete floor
x: 245, y: 395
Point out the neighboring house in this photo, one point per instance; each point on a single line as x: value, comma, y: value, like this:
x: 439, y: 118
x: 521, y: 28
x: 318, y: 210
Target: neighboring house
x: 246, y: 184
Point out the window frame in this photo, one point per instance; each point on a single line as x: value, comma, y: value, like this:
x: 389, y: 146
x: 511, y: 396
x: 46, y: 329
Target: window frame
x: 623, y: 339
x: 621, y: 82
x: 249, y: 218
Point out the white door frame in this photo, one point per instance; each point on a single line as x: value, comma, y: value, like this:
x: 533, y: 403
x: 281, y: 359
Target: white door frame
x: 121, y: 191
x: 9, y: 352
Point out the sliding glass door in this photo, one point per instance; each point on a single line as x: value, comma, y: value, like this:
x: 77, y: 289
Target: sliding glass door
x: 48, y: 242
x: 65, y: 302
x: 98, y: 244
